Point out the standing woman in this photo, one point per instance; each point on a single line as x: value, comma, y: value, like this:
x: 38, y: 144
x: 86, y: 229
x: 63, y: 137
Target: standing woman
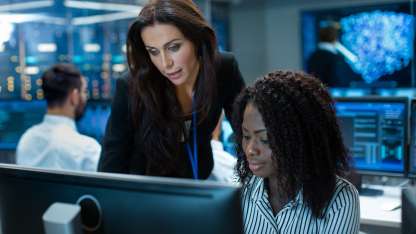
x: 163, y: 114
x: 292, y: 158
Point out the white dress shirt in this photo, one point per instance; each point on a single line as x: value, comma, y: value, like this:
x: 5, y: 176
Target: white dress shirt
x: 341, y: 215
x: 224, y: 164
x: 337, y: 47
x: 56, y: 144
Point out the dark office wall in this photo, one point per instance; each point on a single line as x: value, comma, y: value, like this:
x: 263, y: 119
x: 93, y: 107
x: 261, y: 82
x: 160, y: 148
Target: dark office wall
x: 248, y: 37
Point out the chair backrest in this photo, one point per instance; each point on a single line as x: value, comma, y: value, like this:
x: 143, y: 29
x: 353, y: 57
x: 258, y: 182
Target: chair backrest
x: 409, y: 210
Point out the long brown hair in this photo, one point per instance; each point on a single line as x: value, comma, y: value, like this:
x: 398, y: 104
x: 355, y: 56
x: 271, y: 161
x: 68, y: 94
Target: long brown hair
x: 152, y: 94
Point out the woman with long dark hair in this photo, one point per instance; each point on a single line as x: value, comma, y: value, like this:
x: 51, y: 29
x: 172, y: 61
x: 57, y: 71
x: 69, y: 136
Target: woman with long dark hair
x: 292, y: 158
x: 164, y: 112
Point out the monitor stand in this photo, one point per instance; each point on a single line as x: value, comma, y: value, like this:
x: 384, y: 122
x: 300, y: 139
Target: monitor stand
x: 364, y: 190
x: 370, y: 192
x: 374, y: 86
x: 62, y: 218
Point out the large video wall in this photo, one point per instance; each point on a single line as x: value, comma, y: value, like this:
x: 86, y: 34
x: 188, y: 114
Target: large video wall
x: 41, y: 33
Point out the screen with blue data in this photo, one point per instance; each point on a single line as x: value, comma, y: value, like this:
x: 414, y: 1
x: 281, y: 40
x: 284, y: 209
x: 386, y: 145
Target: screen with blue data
x: 94, y: 120
x: 16, y: 117
x: 375, y: 41
x: 374, y: 131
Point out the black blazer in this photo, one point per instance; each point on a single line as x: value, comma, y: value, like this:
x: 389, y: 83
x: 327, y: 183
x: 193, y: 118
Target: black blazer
x: 121, y: 148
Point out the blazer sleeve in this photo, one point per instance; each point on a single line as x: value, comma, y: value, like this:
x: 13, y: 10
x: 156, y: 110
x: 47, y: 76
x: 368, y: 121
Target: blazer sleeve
x: 233, y: 82
x: 118, y: 139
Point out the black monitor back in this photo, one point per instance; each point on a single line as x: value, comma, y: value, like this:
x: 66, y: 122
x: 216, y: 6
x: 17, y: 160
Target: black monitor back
x: 412, y: 144
x: 409, y: 210
x: 129, y: 204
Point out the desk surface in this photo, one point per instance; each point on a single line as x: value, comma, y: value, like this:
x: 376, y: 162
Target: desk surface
x: 373, y: 208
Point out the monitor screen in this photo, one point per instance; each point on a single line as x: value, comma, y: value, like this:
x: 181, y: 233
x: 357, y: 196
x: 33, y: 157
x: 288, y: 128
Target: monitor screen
x: 412, y: 154
x: 94, y: 120
x: 16, y: 116
x: 375, y: 132
x: 128, y: 204
x: 375, y: 46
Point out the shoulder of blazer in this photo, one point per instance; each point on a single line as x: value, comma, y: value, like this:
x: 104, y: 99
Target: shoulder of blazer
x: 123, y: 80
x: 122, y: 86
x: 121, y: 96
x: 225, y: 66
x: 225, y: 60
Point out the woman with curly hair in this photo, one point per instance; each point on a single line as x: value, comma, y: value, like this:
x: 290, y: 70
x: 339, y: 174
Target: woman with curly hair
x: 292, y: 157
x: 163, y: 114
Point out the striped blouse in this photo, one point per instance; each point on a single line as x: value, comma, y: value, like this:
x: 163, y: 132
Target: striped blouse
x: 342, y: 215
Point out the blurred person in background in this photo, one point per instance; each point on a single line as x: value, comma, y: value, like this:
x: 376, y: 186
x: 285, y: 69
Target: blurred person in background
x: 55, y: 143
x: 224, y: 162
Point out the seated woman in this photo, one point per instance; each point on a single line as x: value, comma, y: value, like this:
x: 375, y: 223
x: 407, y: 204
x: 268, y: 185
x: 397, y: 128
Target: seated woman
x: 292, y: 157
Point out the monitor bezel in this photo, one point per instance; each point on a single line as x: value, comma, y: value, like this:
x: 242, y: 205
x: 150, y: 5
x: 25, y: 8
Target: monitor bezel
x: 123, y: 181
x: 119, y: 182
x: 411, y: 173
x: 383, y: 99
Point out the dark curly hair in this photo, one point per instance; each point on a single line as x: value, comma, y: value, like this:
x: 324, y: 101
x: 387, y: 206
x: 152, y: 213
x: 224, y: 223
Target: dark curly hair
x: 303, y: 134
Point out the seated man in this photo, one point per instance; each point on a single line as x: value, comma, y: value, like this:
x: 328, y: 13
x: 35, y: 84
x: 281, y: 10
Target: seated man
x: 224, y: 162
x: 55, y: 143
x: 292, y: 158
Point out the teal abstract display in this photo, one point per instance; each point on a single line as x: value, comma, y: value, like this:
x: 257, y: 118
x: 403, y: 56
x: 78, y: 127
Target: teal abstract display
x: 381, y: 40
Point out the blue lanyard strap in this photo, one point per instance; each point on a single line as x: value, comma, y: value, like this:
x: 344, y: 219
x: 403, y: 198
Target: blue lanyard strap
x: 193, y: 157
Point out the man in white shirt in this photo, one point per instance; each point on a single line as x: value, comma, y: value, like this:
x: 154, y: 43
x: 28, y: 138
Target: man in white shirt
x: 55, y: 143
x: 224, y: 162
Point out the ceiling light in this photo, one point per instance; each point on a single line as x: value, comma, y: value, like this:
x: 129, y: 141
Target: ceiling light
x: 119, y: 67
x: 102, y: 6
x: 22, y: 18
x: 92, y: 47
x: 102, y: 18
x: 26, y: 5
x: 47, y: 47
x: 31, y: 70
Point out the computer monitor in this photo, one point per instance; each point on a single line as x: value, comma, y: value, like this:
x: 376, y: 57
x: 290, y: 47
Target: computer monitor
x: 128, y: 203
x: 94, y: 120
x: 374, y: 130
x: 409, y: 210
x: 412, y: 154
x: 16, y: 116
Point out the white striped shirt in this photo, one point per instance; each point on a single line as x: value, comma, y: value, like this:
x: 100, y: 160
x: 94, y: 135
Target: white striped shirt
x: 342, y: 215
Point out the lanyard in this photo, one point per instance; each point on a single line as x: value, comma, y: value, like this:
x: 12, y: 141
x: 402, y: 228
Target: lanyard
x: 193, y: 157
